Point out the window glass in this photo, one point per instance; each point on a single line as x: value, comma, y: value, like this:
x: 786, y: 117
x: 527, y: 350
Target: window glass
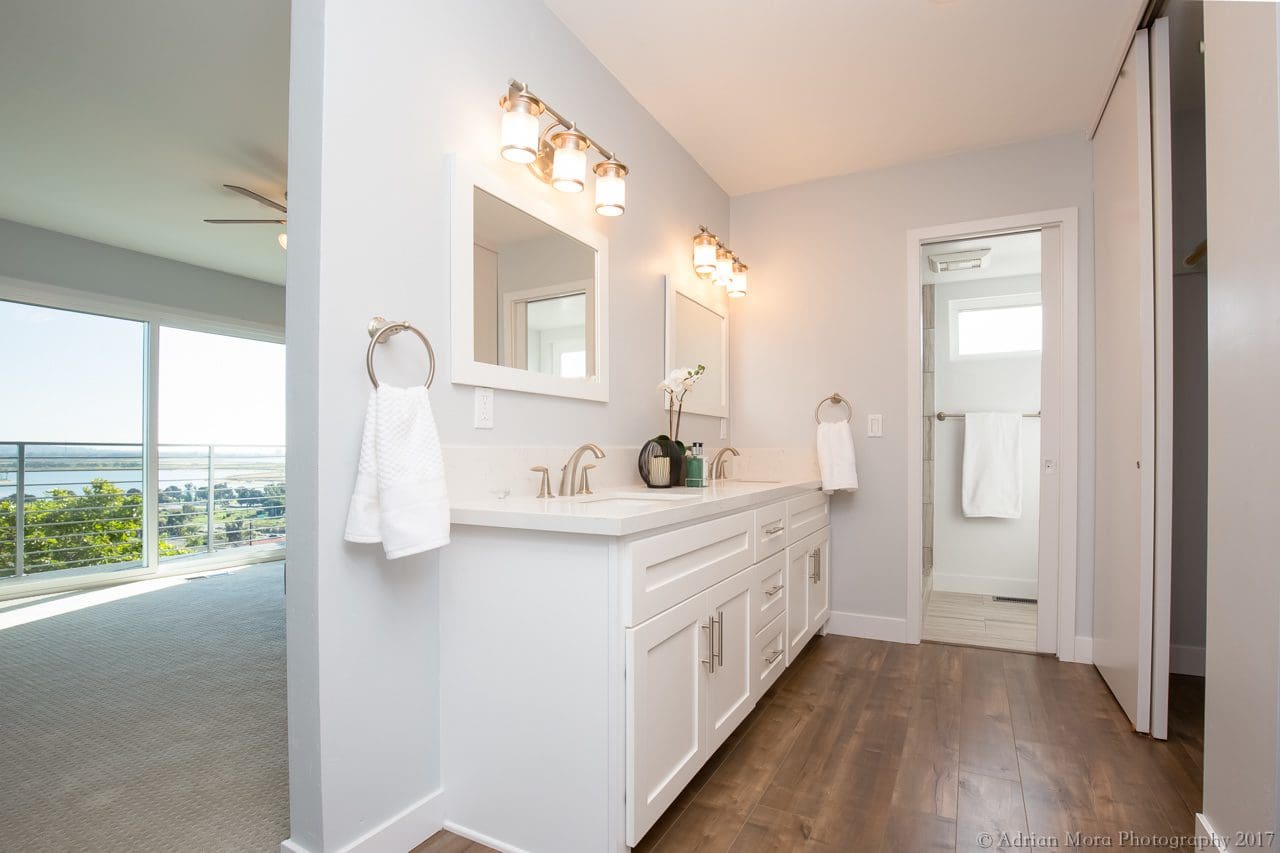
x: 998, y: 331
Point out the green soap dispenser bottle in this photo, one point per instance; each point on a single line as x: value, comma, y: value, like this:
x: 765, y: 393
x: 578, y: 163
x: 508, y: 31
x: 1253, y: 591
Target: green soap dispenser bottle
x: 694, y: 467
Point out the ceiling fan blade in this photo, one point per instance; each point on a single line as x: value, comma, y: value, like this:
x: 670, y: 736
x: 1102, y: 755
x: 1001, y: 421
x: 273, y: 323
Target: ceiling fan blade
x: 244, y: 221
x: 258, y: 198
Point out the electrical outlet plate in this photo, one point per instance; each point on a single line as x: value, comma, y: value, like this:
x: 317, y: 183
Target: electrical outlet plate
x: 484, y: 408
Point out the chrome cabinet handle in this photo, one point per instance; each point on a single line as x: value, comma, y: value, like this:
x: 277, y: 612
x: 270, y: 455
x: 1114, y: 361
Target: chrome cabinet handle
x: 720, y: 638
x: 777, y: 653
x: 773, y: 590
x: 817, y: 563
x: 813, y: 566
x: 710, y: 659
x: 770, y: 531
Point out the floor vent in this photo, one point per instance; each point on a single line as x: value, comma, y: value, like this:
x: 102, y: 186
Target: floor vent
x: 1008, y: 599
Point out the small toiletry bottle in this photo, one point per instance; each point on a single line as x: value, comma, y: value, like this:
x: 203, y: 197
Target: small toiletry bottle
x: 693, y: 467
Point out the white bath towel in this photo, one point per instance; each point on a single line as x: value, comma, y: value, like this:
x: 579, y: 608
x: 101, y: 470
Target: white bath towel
x: 992, y: 479
x: 836, y: 460
x: 400, y: 497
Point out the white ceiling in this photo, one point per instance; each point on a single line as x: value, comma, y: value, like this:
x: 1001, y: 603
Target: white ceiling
x: 119, y: 122
x: 764, y: 93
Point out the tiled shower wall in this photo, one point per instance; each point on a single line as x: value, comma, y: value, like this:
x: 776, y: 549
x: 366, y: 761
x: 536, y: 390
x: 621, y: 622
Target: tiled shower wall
x: 926, y: 361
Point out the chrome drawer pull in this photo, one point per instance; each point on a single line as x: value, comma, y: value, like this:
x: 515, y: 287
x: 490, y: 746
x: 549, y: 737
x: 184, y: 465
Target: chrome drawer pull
x: 720, y: 638
x: 771, y: 531
x: 773, y: 590
x: 710, y: 659
x: 777, y: 653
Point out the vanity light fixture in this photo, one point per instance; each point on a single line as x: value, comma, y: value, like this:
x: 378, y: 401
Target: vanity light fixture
x: 738, y: 284
x: 716, y: 262
x: 558, y: 153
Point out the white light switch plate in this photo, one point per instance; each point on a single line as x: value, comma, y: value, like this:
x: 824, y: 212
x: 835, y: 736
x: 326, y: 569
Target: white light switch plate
x: 484, y: 408
x: 875, y: 426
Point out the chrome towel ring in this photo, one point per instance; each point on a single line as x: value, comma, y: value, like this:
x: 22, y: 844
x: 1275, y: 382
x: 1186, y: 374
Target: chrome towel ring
x: 380, y: 329
x: 835, y: 399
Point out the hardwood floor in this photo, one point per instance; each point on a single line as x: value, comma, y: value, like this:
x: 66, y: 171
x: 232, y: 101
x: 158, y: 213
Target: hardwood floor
x: 980, y: 620
x: 865, y: 746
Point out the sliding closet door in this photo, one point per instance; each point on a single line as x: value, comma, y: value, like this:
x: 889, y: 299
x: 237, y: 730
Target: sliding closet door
x: 1124, y: 567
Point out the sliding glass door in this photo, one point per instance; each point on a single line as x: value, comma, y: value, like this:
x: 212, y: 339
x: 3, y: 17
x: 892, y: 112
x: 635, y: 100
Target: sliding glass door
x: 127, y: 446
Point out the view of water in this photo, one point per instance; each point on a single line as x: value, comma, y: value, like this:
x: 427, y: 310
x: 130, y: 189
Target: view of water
x: 40, y: 483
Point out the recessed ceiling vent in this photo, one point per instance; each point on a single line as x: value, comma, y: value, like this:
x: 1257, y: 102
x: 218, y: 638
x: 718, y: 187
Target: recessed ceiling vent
x: 972, y: 259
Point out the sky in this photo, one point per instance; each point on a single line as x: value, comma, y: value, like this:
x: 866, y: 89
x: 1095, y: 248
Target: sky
x: 79, y: 377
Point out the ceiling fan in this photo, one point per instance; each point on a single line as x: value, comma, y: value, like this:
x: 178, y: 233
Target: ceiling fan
x: 282, y: 238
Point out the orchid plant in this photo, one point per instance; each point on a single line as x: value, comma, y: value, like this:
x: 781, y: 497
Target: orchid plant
x: 675, y: 386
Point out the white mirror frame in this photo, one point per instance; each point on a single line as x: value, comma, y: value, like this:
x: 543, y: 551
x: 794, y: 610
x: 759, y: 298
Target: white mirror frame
x: 715, y: 300
x: 530, y: 196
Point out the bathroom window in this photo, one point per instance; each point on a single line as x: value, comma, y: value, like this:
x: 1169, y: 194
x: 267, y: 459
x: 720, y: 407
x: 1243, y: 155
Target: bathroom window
x: 995, y: 326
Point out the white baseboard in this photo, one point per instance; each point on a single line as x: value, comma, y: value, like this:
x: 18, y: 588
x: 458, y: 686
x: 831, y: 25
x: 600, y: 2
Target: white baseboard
x: 868, y: 627
x: 1084, y: 650
x: 481, y: 838
x: 1186, y: 660
x: 401, y: 832
x: 1205, y: 831
x: 984, y: 585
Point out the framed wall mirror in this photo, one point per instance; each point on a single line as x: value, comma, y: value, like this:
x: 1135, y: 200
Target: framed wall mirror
x: 698, y: 333
x: 529, y: 290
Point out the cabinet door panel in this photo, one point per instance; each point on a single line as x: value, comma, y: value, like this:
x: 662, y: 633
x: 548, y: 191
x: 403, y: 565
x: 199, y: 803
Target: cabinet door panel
x: 799, y: 564
x: 666, y: 710
x: 729, y: 695
x: 819, y: 588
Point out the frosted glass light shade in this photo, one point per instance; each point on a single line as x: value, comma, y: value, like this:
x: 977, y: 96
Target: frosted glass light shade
x: 519, y: 136
x: 704, y: 254
x: 569, y: 166
x: 738, y: 284
x: 724, y: 268
x: 283, y: 239
x: 611, y: 188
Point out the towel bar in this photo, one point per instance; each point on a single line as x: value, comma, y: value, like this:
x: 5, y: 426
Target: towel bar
x: 942, y: 416
x: 380, y: 330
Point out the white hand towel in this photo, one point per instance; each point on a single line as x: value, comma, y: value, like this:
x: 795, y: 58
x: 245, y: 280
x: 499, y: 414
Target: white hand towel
x: 991, y: 484
x: 836, y: 459
x: 400, y: 498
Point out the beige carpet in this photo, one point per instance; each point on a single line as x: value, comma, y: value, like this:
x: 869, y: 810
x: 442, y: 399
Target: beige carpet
x: 151, y: 723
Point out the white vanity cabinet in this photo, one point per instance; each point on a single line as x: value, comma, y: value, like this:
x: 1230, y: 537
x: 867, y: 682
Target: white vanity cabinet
x: 587, y: 675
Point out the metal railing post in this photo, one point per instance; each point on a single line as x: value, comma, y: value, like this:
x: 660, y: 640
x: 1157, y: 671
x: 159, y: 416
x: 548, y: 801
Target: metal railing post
x: 20, y: 516
x: 208, y: 544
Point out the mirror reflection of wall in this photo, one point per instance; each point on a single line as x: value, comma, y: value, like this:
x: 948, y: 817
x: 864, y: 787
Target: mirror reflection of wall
x: 534, y: 293
x: 700, y: 340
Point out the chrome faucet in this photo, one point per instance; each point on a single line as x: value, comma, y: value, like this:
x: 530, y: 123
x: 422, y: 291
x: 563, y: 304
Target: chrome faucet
x: 569, y: 473
x: 717, y: 462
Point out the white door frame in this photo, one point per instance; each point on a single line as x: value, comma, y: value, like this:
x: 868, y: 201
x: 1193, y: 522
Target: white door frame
x: 1060, y: 597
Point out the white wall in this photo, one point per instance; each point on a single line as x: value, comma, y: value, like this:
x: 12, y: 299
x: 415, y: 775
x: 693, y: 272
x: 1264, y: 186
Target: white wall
x: 49, y: 258
x: 993, y: 556
x: 377, y: 102
x: 827, y: 313
x: 1242, y: 146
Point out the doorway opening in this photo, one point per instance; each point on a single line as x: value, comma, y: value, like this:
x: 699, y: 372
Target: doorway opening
x: 982, y: 318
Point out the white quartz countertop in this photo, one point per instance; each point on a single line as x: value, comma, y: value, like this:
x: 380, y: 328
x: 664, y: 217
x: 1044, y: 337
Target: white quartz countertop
x: 623, y: 512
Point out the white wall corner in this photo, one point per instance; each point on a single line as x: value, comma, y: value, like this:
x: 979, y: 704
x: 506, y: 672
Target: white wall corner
x: 1083, y: 652
x: 481, y: 838
x: 867, y: 627
x: 1206, y: 836
x: 1186, y: 660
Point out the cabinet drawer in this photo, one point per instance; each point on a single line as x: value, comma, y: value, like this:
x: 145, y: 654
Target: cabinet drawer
x: 662, y: 571
x: 771, y: 529
x: 769, y: 592
x: 770, y: 655
x: 805, y: 515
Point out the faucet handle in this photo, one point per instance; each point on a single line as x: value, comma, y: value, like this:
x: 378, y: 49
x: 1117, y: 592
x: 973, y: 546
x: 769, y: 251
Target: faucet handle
x: 544, y: 490
x: 586, y: 484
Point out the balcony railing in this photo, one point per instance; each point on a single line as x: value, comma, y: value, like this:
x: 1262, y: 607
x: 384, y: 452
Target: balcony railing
x: 66, y: 506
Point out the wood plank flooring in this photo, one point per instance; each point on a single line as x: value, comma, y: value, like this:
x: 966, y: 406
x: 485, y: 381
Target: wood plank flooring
x: 980, y: 620
x: 865, y: 746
